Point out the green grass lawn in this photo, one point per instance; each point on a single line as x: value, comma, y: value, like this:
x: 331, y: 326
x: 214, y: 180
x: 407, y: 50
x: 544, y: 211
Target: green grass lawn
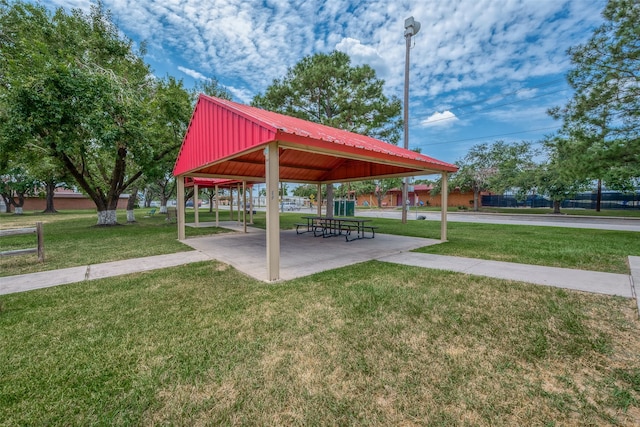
x: 71, y: 239
x: 372, y: 344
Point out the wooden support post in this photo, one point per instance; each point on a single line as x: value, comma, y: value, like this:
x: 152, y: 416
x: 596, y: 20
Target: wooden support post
x: 272, y: 168
x: 244, y: 205
x: 443, y: 210
x: 180, y: 208
x: 251, y: 204
x: 217, y: 212
x: 238, y: 202
x: 196, y: 211
x: 319, y: 200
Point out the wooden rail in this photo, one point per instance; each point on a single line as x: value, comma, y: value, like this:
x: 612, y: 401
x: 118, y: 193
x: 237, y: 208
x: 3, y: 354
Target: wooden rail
x: 29, y: 230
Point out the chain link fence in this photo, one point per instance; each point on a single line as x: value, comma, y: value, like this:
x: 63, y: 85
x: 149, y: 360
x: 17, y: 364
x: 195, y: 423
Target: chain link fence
x: 609, y: 200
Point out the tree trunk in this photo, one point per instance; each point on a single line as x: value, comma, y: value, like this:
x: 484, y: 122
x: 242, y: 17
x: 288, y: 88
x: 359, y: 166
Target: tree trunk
x: 19, y: 204
x: 599, y: 195
x: 107, y: 217
x: 131, y: 204
x: 163, y: 204
x: 147, y: 198
x: 476, y: 196
x: 107, y: 211
x: 106, y: 203
x: 556, y: 206
x: 329, y: 210
x: 50, y: 188
x: 379, y: 198
x: 7, y: 204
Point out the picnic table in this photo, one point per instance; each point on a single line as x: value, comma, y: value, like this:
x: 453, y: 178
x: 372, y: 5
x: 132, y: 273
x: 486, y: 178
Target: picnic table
x: 351, y: 228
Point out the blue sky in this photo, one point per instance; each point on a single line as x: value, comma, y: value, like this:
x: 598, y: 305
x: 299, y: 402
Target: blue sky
x: 481, y: 70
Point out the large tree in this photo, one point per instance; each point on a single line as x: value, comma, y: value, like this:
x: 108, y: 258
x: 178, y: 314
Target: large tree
x: 76, y: 88
x: 327, y: 89
x: 15, y: 184
x: 169, y: 114
x: 601, y: 122
x: 554, y: 178
x: 492, y: 167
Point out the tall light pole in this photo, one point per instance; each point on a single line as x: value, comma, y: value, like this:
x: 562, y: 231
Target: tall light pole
x: 411, y: 28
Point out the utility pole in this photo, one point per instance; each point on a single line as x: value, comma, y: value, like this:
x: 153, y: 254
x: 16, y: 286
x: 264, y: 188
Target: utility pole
x: 411, y: 28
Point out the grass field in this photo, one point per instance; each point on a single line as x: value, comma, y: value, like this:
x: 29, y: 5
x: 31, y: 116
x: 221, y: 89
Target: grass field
x: 71, y: 239
x: 371, y: 344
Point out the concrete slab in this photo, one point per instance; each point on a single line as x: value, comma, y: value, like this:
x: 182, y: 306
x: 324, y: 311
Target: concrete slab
x: 300, y: 254
x: 581, y: 280
x: 44, y: 279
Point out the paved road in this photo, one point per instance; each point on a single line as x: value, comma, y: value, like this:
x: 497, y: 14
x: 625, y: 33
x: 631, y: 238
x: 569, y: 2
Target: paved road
x: 544, y: 220
x: 571, y: 221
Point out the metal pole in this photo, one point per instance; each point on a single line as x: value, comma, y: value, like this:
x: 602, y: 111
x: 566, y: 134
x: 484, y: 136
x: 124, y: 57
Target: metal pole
x: 405, y: 183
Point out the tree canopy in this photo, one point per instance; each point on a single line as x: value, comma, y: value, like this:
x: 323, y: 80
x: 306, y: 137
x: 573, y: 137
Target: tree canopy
x: 495, y: 167
x: 601, y: 122
x: 75, y: 89
x: 327, y: 89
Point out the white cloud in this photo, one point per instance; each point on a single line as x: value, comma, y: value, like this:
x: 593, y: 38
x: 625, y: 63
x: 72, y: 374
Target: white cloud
x: 465, y: 50
x: 192, y: 73
x: 444, y: 119
x: 361, y: 54
x: 245, y: 96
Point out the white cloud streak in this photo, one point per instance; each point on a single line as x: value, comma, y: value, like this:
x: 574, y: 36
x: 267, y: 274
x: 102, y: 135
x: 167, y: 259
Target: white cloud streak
x: 463, y: 45
x: 193, y: 73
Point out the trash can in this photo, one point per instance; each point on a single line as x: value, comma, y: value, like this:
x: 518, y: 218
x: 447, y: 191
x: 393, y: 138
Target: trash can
x: 344, y: 207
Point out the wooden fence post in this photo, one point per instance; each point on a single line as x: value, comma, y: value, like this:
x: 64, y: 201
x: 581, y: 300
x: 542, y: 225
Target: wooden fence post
x: 29, y: 230
x: 40, y: 234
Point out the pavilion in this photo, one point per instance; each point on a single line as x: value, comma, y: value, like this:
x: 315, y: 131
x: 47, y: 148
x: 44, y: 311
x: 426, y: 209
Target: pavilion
x: 232, y: 141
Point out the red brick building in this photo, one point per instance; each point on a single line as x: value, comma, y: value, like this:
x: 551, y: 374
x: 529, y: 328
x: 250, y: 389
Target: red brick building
x: 421, y: 195
x: 64, y: 199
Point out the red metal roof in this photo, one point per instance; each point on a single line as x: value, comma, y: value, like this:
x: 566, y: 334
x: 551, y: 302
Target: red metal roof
x: 224, y: 139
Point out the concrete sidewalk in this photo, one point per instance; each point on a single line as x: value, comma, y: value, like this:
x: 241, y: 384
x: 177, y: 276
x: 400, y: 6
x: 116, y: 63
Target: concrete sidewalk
x: 304, y: 254
x: 578, y: 280
x: 47, y: 279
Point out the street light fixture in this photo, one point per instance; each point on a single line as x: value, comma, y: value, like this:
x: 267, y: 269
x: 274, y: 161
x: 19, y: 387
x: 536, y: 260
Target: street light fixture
x: 411, y: 28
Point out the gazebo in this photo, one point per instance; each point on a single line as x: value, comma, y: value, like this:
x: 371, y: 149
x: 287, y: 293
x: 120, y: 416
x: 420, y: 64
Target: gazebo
x: 239, y: 142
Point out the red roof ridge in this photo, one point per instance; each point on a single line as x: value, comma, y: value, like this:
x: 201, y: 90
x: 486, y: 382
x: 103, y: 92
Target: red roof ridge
x: 277, y: 123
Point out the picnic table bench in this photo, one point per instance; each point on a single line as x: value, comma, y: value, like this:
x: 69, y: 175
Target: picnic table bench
x: 351, y: 228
